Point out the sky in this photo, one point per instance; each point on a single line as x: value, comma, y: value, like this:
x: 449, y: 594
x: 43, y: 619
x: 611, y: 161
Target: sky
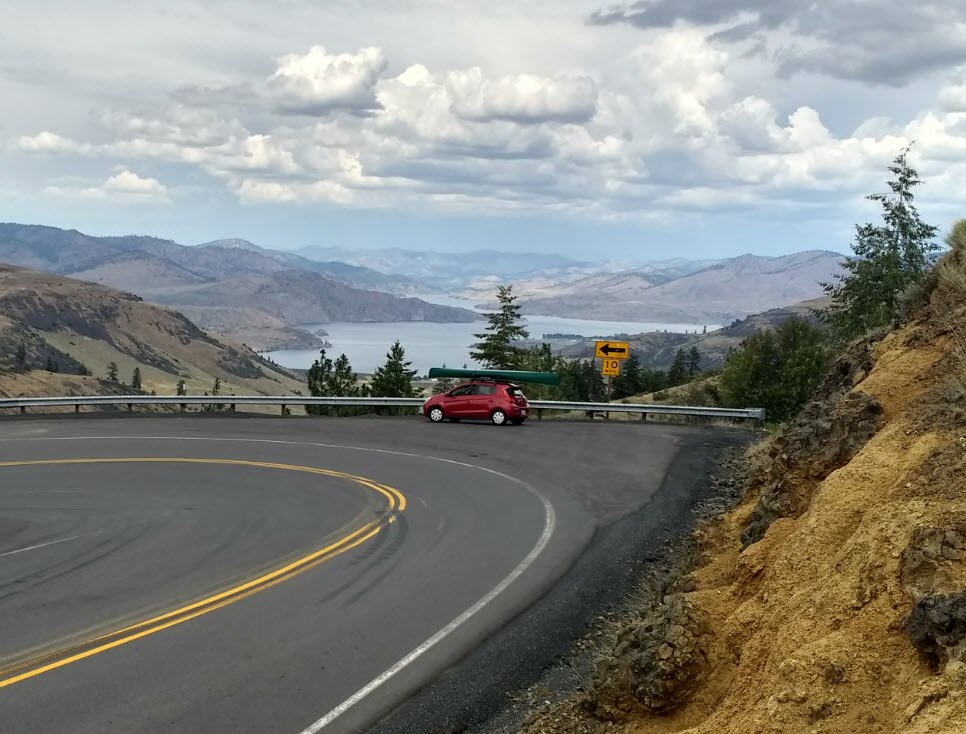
x: 630, y: 131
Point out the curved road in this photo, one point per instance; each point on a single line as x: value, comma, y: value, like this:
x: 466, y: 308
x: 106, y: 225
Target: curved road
x: 282, y: 575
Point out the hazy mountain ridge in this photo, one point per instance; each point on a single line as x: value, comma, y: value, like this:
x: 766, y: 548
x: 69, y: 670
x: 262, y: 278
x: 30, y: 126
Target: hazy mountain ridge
x: 173, y: 274
x: 448, y: 271
x: 719, y: 293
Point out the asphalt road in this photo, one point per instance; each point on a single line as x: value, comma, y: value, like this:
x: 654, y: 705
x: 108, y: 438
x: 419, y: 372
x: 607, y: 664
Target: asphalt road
x: 183, y: 574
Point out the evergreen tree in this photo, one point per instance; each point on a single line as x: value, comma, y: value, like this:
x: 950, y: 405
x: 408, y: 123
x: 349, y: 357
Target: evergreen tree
x: 20, y: 357
x: 580, y: 381
x: 629, y: 381
x: 136, y: 379
x: 496, y: 348
x: 678, y: 373
x: 51, y: 366
x: 181, y: 389
x: 776, y: 369
x: 342, y: 380
x: 694, y: 361
x: 216, y: 387
x: 394, y: 378
x: 112, y: 371
x: 890, y: 258
x: 319, y: 376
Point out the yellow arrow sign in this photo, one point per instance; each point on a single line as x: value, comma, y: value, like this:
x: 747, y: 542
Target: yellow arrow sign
x: 612, y: 350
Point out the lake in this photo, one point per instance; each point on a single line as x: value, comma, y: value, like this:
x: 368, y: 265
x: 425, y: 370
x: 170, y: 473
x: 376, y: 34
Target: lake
x: 430, y: 344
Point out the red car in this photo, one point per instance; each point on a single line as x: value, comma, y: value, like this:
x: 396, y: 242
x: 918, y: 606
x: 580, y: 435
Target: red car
x: 499, y: 402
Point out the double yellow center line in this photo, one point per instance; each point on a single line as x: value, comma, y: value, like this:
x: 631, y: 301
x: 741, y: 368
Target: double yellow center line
x: 396, y: 502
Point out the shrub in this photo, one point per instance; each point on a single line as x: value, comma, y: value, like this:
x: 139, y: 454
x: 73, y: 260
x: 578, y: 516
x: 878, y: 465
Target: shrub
x: 776, y: 369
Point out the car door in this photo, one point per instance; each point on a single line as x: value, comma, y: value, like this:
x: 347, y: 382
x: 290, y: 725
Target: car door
x: 459, y: 402
x: 483, y: 400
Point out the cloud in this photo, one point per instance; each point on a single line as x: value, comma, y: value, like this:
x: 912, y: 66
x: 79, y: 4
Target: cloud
x: 314, y: 83
x: 124, y: 186
x: 523, y: 98
x: 952, y: 96
x: 876, y: 41
x: 669, y: 129
x: 46, y: 142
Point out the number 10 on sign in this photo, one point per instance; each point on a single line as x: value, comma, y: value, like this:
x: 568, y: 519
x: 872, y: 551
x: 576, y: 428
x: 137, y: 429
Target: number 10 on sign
x: 610, y: 367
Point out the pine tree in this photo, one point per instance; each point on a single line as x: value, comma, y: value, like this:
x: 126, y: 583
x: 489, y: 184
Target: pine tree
x: 496, y: 348
x: 51, y: 366
x: 394, y: 378
x: 694, y: 361
x: 319, y: 380
x: 342, y: 380
x: 890, y: 258
x: 136, y: 379
x: 678, y: 373
x: 629, y: 381
x: 20, y: 358
x: 112, y: 371
x: 181, y: 388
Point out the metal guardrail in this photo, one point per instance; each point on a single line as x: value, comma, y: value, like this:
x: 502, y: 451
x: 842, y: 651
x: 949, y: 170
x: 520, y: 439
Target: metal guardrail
x: 285, y: 401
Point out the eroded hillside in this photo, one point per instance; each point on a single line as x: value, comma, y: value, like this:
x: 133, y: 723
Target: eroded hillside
x: 77, y: 327
x: 833, y: 598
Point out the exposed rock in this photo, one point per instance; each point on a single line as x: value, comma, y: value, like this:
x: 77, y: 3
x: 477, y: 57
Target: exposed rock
x: 656, y: 664
x: 824, y: 437
x: 937, y: 627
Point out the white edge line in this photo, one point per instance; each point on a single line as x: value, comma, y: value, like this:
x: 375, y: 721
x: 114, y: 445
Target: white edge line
x: 550, y: 523
x: 49, y: 542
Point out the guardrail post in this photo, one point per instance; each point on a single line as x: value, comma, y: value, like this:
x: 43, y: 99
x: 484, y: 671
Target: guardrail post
x: 539, y: 414
x: 23, y: 410
x: 77, y: 407
x: 130, y: 407
x: 590, y: 415
x: 284, y: 410
x: 231, y: 408
x: 643, y: 416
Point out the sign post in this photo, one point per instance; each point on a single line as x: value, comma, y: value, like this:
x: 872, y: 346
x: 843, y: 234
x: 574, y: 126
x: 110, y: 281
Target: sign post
x: 610, y: 354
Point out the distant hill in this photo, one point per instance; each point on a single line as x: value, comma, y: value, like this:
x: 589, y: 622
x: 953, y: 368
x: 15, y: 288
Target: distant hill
x: 719, y: 293
x: 77, y: 327
x: 344, y: 272
x: 166, y: 272
x: 448, y: 271
x: 656, y: 349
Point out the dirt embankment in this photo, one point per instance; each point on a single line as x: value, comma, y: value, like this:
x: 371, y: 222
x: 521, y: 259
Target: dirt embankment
x: 833, y: 598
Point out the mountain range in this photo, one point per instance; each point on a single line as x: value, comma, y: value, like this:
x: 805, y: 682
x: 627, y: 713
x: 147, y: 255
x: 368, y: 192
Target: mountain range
x: 715, y: 294
x: 260, y: 296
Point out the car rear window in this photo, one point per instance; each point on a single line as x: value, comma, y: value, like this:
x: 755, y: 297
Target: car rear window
x: 515, y: 391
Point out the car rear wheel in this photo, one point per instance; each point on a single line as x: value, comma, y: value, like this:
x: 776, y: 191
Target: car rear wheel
x: 435, y: 414
x: 498, y: 417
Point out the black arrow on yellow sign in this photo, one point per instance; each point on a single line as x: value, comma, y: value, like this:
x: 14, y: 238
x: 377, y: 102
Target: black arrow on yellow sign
x: 609, y: 349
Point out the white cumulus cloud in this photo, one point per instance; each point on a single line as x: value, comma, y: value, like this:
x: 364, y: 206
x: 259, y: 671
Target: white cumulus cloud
x: 524, y: 98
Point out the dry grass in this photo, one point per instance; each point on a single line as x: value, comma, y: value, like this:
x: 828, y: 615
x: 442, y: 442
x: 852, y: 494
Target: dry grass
x: 950, y: 297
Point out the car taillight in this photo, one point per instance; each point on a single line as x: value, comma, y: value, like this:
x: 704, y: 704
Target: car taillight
x: 519, y: 400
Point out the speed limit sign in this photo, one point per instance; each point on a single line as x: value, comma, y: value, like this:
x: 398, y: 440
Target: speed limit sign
x: 610, y: 367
